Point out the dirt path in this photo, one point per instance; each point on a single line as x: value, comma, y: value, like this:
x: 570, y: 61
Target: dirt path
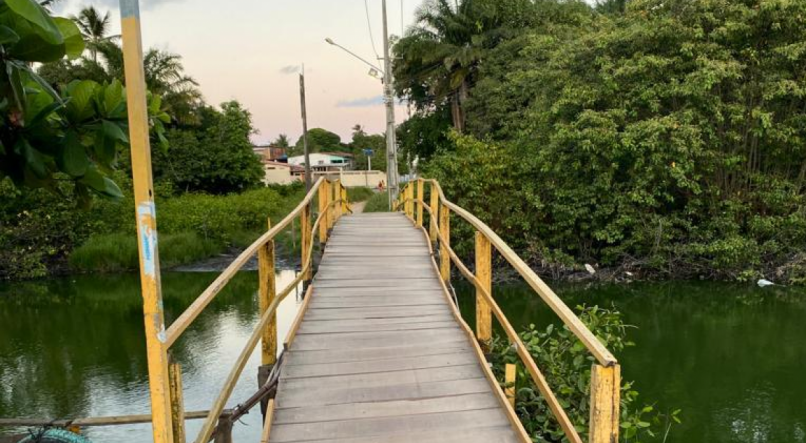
x: 358, y: 207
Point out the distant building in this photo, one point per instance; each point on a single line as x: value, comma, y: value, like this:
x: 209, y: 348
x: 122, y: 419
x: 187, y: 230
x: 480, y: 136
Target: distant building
x: 270, y: 153
x: 277, y: 173
x: 324, y: 161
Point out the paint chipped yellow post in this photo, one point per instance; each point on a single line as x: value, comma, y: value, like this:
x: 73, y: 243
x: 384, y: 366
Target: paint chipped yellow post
x: 323, y: 202
x: 509, y: 380
x: 306, y: 238
x: 605, y: 403
x: 268, y: 291
x: 158, y: 378
x: 410, y: 200
x: 484, y: 316
x: 420, y: 200
x: 336, y: 198
x: 433, y: 227
x: 445, y: 232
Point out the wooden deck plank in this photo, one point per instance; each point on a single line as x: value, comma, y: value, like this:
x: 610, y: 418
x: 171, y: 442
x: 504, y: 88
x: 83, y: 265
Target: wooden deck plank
x: 379, y: 355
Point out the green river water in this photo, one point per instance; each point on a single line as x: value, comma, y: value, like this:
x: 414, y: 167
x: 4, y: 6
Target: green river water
x: 732, y: 357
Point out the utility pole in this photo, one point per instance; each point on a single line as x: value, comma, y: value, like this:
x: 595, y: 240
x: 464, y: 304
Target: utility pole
x: 391, y: 136
x: 308, y: 183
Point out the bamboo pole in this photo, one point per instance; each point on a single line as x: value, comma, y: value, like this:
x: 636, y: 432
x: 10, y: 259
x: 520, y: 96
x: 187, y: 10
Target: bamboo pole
x: 268, y: 290
x: 484, y: 319
x: 156, y: 349
x: 604, y: 403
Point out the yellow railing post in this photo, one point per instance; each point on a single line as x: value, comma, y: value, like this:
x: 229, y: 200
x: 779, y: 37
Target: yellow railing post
x: 345, y: 205
x: 484, y: 317
x: 433, y: 227
x: 336, y: 197
x: 177, y: 402
x: 444, y: 255
x: 410, y: 200
x: 509, y: 379
x: 420, y: 200
x: 604, y: 403
x: 323, y: 202
x: 268, y: 291
x: 156, y: 349
x: 306, y: 238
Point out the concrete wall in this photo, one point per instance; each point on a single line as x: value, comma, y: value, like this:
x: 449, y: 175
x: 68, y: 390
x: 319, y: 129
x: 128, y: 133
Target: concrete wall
x: 278, y: 175
x: 355, y: 179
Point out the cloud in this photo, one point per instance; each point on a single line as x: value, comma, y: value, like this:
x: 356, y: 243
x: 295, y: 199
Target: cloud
x: 290, y: 69
x: 361, y: 102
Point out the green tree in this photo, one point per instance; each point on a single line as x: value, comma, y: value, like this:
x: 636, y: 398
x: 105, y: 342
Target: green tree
x: 95, y: 29
x: 319, y: 140
x: 45, y: 135
x: 438, y: 59
x: 217, y: 160
x: 376, y: 142
x: 282, y: 141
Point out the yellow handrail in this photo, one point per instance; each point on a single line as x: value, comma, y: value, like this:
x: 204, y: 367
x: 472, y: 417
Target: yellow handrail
x: 605, y: 383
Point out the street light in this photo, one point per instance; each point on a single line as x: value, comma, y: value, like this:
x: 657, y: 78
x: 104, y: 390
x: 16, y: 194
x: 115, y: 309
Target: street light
x: 389, y: 101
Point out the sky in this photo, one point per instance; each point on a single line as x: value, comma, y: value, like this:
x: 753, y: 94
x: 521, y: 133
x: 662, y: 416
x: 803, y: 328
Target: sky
x: 252, y: 50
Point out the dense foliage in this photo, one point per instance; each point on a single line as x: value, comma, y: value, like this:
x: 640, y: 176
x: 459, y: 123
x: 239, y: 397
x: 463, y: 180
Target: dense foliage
x: 566, y: 364
x: 215, y: 157
x: 670, y: 138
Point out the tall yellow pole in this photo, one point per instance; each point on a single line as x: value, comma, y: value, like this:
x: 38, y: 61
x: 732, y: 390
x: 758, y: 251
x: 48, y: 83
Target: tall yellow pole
x: 158, y: 378
x: 267, y: 293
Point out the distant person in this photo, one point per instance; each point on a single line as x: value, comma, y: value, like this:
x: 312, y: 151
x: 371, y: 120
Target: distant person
x: 380, y: 185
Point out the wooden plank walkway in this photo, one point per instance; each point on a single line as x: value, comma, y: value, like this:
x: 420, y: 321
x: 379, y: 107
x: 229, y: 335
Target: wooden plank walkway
x: 379, y: 355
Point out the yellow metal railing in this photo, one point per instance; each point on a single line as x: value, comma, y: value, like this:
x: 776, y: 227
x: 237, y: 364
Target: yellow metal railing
x: 606, y: 372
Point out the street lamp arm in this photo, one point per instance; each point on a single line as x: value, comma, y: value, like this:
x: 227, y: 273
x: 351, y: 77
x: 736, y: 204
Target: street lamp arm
x: 331, y: 42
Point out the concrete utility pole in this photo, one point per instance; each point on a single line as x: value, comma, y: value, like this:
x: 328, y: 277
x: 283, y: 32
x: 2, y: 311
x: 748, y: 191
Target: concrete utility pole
x: 389, y: 98
x: 308, y: 182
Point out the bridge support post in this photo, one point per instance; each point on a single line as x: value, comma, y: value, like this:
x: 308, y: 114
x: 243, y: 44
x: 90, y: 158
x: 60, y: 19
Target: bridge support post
x: 324, y: 194
x: 509, y: 379
x: 444, y: 255
x: 410, y: 200
x: 604, y: 403
x: 484, y: 317
x: 306, y: 238
x: 420, y: 201
x: 337, y: 207
x: 150, y: 282
x: 177, y: 401
x: 268, y: 292
x: 432, y: 227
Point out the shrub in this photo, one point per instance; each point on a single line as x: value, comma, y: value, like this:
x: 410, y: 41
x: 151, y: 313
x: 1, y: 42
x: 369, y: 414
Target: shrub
x: 378, y: 203
x: 566, y: 364
x: 359, y: 194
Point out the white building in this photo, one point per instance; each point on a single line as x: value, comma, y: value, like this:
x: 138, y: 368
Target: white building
x: 281, y: 173
x: 322, y: 161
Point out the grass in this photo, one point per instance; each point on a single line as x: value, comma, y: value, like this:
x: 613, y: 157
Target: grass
x: 118, y: 252
x: 359, y: 194
x: 378, y: 203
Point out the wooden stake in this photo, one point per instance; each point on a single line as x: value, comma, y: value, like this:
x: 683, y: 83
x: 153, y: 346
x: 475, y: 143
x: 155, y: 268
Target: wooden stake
x: 604, y: 403
x: 484, y: 317
x: 509, y: 379
x: 307, y: 238
x: 177, y: 402
x: 268, y: 291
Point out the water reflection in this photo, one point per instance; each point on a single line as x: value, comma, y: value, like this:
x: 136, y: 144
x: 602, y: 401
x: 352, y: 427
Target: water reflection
x: 74, y: 347
x: 731, y: 356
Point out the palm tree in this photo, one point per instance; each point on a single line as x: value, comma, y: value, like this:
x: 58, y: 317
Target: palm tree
x: 438, y: 59
x: 94, y: 27
x: 282, y: 141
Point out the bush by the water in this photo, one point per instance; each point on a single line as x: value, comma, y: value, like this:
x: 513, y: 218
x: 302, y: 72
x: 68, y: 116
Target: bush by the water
x: 40, y: 230
x: 566, y: 364
x: 378, y: 203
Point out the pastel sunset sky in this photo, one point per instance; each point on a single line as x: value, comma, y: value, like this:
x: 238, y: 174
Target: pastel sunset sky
x: 251, y: 51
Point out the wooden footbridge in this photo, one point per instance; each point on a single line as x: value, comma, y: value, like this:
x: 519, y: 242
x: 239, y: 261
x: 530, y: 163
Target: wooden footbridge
x: 379, y: 350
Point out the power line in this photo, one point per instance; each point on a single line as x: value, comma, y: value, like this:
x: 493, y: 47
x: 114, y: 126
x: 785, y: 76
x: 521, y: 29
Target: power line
x: 369, y: 27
